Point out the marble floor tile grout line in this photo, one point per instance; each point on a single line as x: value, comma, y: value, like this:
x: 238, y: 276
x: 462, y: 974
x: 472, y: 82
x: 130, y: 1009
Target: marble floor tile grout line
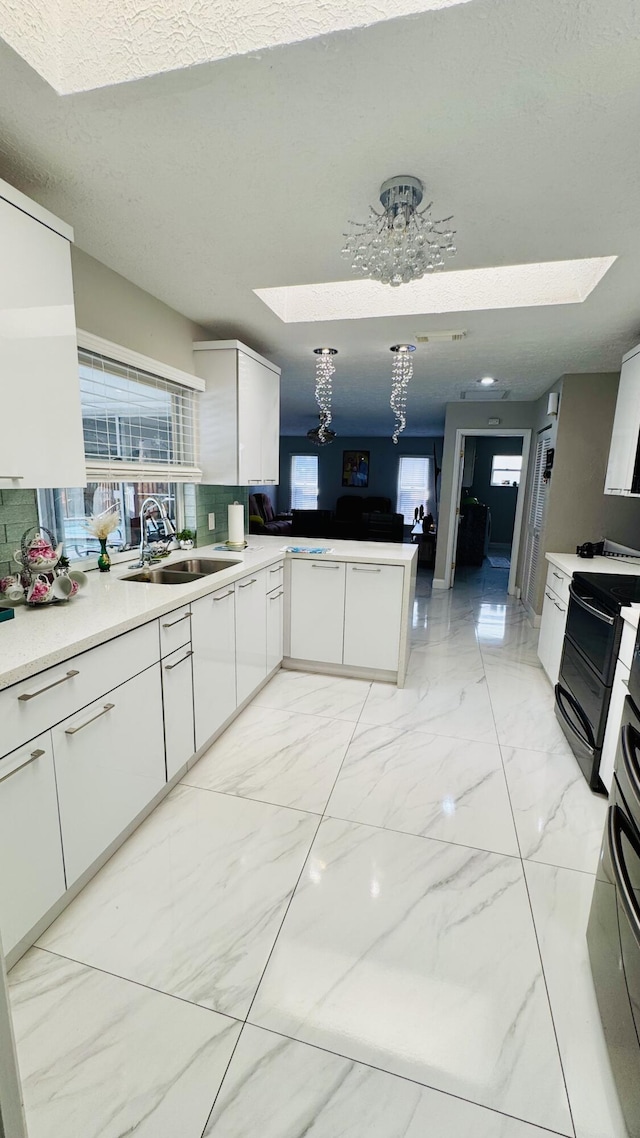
x: 246, y: 797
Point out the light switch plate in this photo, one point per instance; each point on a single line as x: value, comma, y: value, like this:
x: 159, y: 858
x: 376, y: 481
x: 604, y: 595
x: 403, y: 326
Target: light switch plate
x: 212, y: 521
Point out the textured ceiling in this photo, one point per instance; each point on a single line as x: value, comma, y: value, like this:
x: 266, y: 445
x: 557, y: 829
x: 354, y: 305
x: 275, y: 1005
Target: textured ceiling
x: 202, y: 185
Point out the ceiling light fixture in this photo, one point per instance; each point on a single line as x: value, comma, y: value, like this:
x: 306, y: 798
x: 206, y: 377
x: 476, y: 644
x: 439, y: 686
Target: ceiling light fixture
x: 325, y: 370
x: 321, y: 435
x: 401, y: 376
x: 487, y: 380
x: 402, y: 243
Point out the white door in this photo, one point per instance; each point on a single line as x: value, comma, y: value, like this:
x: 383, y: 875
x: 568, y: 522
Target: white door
x: 251, y: 634
x: 552, y: 626
x: 109, y: 761
x: 32, y: 877
x: 213, y: 639
x: 317, y: 610
x: 250, y: 420
x: 535, y: 524
x: 42, y: 443
x: 275, y: 628
x: 372, y: 616
x: 177, y: 698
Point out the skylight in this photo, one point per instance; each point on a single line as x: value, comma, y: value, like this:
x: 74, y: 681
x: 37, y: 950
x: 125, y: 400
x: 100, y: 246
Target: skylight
x: 467, y: 290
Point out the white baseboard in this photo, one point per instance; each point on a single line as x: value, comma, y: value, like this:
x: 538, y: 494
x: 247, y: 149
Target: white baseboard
x: 439, y: 583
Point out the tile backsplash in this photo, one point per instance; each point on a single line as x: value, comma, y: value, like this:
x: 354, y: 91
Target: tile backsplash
x: 215, y: 499
x: 18, y: 512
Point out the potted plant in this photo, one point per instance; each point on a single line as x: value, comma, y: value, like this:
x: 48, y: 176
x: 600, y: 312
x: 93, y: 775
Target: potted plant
x: 186, y: 538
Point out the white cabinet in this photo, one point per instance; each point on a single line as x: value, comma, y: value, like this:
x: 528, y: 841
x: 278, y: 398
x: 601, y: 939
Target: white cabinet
x: 42, y: 443
x: 32, y: 877
x: 372, y: 616
x: 251, y: 634
x: 239, y: 414
x: 109, y: 761
x: 626, y: 429
x: 619, y: 691
x: 275, y: 628
x: 213, y: 633
x: 177, y: 700
x: 317, y: 610
x: 552, y: 625
x: 175, y: 629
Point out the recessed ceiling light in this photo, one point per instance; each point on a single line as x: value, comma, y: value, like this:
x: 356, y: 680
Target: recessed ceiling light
x: 487, y: 380
x: 467, y: 290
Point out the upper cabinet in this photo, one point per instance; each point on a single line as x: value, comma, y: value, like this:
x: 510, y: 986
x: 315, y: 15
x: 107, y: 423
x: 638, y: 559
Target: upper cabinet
x: 623, y: 471
x: 42, y: 444
x: 239, y: 415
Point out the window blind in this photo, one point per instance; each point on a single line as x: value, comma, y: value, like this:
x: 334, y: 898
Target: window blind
x: 304, y: 481
x: 138, y: 427
x: 414, y: 485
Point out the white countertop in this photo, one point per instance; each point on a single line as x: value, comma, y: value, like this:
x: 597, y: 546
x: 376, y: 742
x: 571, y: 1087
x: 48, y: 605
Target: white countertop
x: 38, y: 638
x: 571, y: 563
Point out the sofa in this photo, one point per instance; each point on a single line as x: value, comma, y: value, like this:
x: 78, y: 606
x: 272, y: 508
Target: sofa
x: 263, y: 518
x: 355, y: 518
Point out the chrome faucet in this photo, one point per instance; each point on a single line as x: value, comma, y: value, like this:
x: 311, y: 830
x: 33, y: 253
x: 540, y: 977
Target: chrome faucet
x: 146, y: 556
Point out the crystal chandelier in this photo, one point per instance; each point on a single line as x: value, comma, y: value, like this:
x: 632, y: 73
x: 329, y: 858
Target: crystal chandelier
x: 401, y: 243
x: 325, y: 370
x: 321, y: 435
x: 401, y: 376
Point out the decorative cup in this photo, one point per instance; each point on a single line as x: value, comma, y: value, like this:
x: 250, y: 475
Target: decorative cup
x: 78, y: 577
x: 12, y: 589
x: 62, y: 588
x: 40, y: 591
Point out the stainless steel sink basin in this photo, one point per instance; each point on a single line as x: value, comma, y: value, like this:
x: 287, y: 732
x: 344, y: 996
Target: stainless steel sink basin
x: 163, y: 576
x: 200, y: 565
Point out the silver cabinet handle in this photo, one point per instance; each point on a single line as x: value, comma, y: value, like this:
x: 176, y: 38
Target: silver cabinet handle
x: 357, y: 569
x: 186, y: 616
x: 314, y: 565
x: 182, y: 659
x: 32, y: 695
x: 558, y: 575
x: 32, y: 758
x: 559, y: 606
x: 73, y: 730
x: 224, y: 596
x: 549, y: 596
x: 274, y: 596
x: 12, y: 478
x: 247, y: 583
x: 277, y: 569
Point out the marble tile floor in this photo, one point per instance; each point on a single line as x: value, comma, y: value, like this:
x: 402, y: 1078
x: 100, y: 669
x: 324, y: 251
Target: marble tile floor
x: 360, y: 915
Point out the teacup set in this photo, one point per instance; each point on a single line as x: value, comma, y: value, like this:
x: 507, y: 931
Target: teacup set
x: 42, y: 579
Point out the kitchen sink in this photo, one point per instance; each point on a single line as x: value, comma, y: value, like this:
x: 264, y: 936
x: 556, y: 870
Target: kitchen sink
x: 201, y: 566
x: 163, y: 576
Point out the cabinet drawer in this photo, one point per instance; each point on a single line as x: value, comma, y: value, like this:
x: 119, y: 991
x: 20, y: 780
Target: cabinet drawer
x: 32, y: 706
x: 175, y: 629
x: 109, y: 762
x: 32, y: 877
x: 275, y: 577
x: 559, y: 582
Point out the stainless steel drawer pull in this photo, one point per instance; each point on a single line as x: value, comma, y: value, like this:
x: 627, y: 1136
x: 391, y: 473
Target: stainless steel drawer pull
x: 277, y: 569
x: 32, y: 695
x: 247, y: 583
x: 32, y: 758
x: 274, y: 596
x: 558, y: 575
x: 182, y: 659
x: 559, y: 606
x: 357, y: 569
x: 315, y: 566
x: 73, y: 730
x: 186, y: 616
x: 224, y: 596
x: 12, y: 477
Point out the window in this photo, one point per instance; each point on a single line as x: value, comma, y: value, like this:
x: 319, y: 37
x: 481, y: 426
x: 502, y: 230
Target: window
x: 415, y: 486
x: 304, y: 481
x: 505, y: 469
x: 66, y: 513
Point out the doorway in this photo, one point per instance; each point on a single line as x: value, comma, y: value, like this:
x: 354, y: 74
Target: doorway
x: 501, y: 457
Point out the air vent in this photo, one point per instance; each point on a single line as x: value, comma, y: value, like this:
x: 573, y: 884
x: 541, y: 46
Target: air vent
x: 484, y: 394
x: 441, y: 337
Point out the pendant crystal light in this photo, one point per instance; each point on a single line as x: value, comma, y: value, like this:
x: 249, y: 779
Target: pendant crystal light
x: 325, y: 370
x: 402, y: 243
x: 401, y: 376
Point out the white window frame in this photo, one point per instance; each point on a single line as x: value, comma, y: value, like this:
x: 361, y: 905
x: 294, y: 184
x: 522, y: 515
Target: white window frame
x: 495, y: 460
x: 293, y: 458
x: 428, y: 489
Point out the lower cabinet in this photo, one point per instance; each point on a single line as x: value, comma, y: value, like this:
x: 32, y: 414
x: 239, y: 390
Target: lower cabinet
x: 251, y: 634
x: 177, y: 698
x: 619, y: 692
x: 109, y: 761
x: 317, y: 610
x: 32, y: 877
x: 213, y: 639
x: 552, y: 626
x: 275, y: 628
x: 373, y: 615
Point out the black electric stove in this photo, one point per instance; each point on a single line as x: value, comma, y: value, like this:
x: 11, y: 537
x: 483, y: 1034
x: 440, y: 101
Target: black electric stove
x: 615, y: 589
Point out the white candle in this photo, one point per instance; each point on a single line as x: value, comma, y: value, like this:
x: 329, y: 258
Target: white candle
x: 236, y: 523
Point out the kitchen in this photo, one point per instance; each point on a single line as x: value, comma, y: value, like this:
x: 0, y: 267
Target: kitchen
x: 294, y: 839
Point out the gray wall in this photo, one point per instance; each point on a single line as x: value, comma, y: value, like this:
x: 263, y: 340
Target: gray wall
x: 383, y: 466
x: 501, y: 500
x: 467, y: 416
